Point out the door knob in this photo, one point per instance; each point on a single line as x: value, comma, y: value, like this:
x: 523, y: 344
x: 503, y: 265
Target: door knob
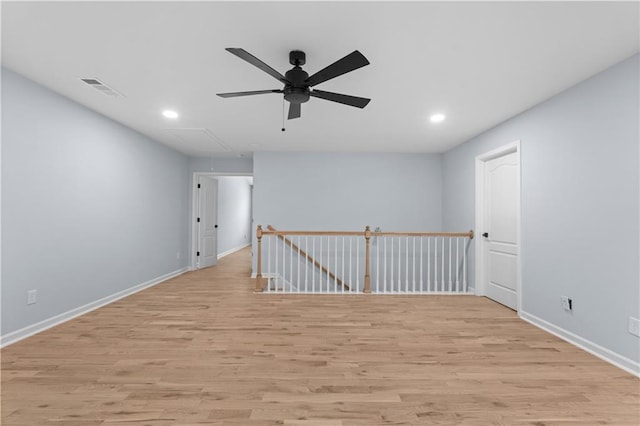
x: 486, y: 235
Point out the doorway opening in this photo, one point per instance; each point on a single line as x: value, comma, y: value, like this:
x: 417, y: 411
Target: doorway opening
x: 221, y: 216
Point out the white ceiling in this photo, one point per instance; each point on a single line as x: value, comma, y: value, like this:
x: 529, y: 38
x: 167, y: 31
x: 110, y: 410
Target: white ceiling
x: 480, y: 63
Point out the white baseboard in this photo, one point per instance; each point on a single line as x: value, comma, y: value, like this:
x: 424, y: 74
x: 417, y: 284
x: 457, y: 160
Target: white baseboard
x: 233, y: 250
x: 608, y: 355
x: 38, y: 327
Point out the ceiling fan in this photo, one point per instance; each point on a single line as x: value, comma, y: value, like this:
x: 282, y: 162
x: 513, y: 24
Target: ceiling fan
x: 297, y: 83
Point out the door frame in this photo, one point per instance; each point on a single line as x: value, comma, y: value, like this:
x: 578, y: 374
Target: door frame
x: 479, y: 206
x: 194, y: 209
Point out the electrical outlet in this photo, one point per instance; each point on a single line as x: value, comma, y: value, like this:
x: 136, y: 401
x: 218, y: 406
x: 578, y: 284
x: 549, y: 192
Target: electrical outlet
x: 31, y: 296
x: 634, y: 326
x: 567, y: 303
x: 178, y: 255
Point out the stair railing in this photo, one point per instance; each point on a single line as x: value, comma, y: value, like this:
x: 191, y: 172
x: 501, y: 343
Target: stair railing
x: 353, y: 262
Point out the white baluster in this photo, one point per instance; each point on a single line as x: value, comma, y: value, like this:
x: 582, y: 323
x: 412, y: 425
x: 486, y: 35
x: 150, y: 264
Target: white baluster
x: 320, y: 272
x: 335, y: 274
x: 413, y: 264
x: 421, y: 276
x: 277, y: 265
x: 449, y: 239
x: 298, y: 285
x: 442, y: 265
x: 435, y: 263
x: 399, y: 264
x: 342, y: 291
x: 313, y: 269
x: 328, y: 263
x: 464, y: 266
x: 391, y: 276
x: 384, y: 265
x: 329, y: 282
x: 406, y: 265
x: 358, y: 264
x: 351, y: 263
x: 457, y: 265
x: 269, y: 264
x: 290, y: 266
x: 429, y: 264
x: 377, y: 264
x: 335, y: 266
x: 306, y: 263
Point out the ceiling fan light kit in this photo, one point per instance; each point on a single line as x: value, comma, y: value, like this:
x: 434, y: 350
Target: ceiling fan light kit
x: 297, y: 82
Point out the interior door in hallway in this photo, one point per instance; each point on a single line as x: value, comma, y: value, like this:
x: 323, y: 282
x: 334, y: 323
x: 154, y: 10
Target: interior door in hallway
x: 207, y: 252
x: 500, y: 228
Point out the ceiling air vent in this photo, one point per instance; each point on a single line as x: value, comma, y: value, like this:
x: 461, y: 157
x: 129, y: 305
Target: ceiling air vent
x: 100, y: 86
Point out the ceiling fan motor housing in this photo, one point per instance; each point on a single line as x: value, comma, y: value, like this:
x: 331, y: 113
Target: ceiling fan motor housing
x: 296, y: 91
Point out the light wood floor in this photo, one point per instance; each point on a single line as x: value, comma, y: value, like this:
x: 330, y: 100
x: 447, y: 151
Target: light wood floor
x: 203, y: 349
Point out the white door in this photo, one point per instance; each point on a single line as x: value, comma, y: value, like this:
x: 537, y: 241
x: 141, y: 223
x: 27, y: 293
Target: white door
x: 499, y: 232
x: 207, y: 222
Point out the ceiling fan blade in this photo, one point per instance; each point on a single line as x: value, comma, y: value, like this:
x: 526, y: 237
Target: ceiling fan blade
x: 340, y: 98
x: 294, y: 111
x: 243, y: 54
x: 352, y: 61
x: 254, y: 92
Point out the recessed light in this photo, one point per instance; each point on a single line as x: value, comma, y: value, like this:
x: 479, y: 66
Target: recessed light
x: 170, y: 114
x: 437, y: 118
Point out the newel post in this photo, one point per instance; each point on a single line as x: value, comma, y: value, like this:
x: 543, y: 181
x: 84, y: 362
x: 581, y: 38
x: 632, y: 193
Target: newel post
x: 259, y: 262
x: 367, y: 265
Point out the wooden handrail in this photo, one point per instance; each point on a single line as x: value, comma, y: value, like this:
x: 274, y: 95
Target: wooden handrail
x: 469, y: 234
x: 273, y: 231
x: 295, y: 248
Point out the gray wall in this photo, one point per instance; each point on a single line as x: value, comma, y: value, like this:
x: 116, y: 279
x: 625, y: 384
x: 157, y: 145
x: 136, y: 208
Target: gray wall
x: 89, y: 207
x: 347, y: 191
x: 331, y: 191
x: 234, y: 212
x: 217, y: 164
x: 580, y: 204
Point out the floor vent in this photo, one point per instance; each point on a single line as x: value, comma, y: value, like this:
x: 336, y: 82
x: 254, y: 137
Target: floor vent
x: 100, y: 86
